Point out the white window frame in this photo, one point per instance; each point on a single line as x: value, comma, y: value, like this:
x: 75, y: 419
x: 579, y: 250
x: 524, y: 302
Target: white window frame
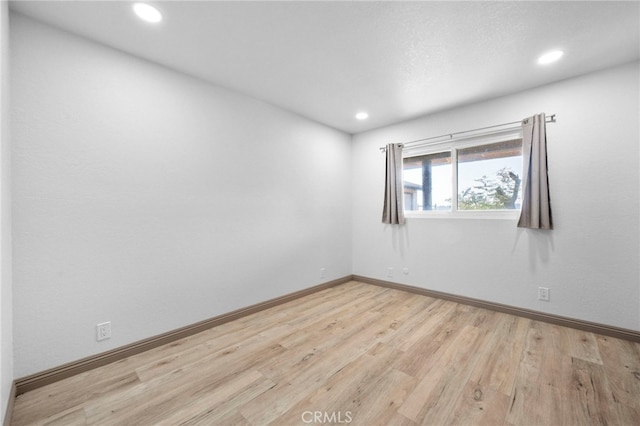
x: 453, y: 145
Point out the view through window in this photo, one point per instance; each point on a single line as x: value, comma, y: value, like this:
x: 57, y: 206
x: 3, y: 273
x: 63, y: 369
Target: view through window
x: 427, y: 182
x: 485, y: 177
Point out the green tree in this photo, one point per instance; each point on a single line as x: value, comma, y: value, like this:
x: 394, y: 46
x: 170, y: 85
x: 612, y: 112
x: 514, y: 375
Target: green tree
x: 492, y: 193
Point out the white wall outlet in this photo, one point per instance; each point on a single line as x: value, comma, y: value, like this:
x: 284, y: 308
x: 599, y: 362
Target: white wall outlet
x: 103, y: 331
x: 390, y: 272
x: 543, y: 293
x: 405, y: 271
x: 323, y: 272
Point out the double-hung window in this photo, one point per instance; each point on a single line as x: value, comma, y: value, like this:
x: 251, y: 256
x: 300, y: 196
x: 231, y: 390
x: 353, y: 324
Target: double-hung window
x: 471, y: 177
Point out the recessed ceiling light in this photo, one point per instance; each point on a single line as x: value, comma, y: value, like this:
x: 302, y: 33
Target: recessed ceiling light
x: 550, y: 57
x: 148, y: 13
x: 362, y: 115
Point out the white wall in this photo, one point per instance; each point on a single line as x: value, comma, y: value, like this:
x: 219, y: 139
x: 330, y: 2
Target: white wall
x: 6, y: 320
x: 152, y: 200
x: 122, y: 170
x: 590, y: 260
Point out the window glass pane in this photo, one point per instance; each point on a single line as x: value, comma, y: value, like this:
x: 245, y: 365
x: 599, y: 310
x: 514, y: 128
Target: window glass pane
x: 427, y: 182
x: 489, y: 176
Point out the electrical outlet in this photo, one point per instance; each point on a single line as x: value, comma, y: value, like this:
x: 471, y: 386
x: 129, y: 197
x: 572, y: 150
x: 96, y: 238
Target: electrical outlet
x: 389, y: 272
x: 405, y: 271
x: 543, y: 293
x: 323, y: 272
x: 103, y: 331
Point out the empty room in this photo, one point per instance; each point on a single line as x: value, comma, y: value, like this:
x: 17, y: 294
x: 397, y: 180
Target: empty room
x: 320, y: 212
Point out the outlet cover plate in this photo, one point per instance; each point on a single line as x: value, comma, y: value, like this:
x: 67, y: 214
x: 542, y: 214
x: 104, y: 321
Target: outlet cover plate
x: 103, y: 331
x: 543, y: 294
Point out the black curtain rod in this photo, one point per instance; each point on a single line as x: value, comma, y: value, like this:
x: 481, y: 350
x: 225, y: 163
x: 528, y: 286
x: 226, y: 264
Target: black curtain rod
x: 549, y: 119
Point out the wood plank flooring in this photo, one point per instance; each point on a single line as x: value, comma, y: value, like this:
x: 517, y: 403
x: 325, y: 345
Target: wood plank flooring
x: 362, y: 355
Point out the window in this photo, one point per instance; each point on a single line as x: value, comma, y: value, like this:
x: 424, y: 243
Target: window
x: 427, y: 182
x: 464, y: 177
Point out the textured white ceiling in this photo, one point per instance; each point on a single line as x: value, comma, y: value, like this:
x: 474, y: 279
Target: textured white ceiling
x: 396, y: 60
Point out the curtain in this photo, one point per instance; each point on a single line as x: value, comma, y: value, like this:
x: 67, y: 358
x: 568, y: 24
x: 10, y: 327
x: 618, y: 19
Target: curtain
x: 393, y: 211
x: 536, y: 205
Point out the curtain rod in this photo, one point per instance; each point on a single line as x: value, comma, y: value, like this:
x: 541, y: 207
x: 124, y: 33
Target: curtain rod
x: 549, y: 119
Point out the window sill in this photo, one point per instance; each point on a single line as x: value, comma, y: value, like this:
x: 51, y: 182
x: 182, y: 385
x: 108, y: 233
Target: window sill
x: 465, y: 214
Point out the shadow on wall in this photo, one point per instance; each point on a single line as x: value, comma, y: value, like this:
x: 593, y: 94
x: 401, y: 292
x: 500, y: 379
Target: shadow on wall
x: 399, y: 238
x: 540, y: 245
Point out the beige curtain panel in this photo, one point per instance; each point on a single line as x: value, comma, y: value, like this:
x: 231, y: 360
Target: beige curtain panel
x: 393, y: 211
x: 536, y: 203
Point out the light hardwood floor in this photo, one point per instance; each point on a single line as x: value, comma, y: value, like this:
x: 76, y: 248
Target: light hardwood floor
x: 361, y: 354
